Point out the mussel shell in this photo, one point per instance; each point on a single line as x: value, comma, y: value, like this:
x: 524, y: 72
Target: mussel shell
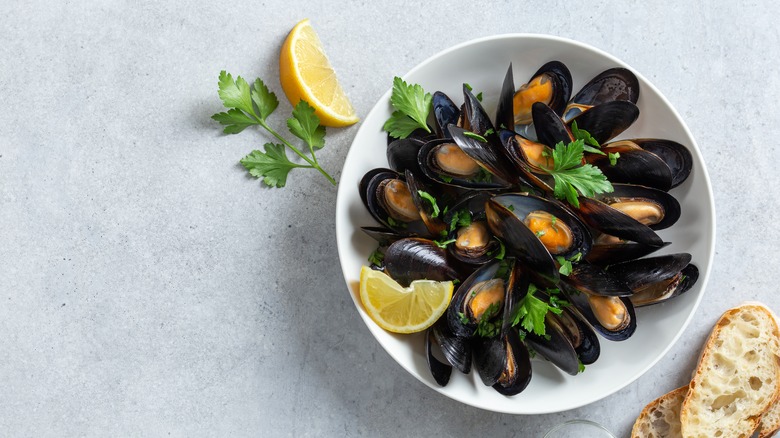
x: 606, y: 219
x: 675, y: 155
x: 445, y: 113
x: 589, y: 349
x: 608, y: 120
x: 607, y: 254
x: 402, y: 155
x: 521, y: 377
x: 597, y: 281
x: 414, y: 258
x: 556, y: 345
x: 580, y: 302
x: 612, y: 84
x: 440, y: 371
x: 535, y: 176
x: 562, y: 84
x: 474, y: 149
x: 484, y: 273
x: 490, y: 155
x: 505, y: 111
x: 478, y: 119
x: 523, y: 204
x: 385, y: 236
x: 477, y: 257
x: 429, y: 217
x: 369, y: 186
x: 688, y: 277
x: 457, y: 350
x: 550, y: 128
x: 418, y: 134
x: 489, y: 359
x: 635, y: 166
x: 668, y: 202
x: 640, y: 273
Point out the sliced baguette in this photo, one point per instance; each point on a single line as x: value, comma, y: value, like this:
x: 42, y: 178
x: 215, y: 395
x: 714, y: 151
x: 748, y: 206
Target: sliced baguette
x: 737, y: 378
x: 770, y: 421
x: 661, y: 418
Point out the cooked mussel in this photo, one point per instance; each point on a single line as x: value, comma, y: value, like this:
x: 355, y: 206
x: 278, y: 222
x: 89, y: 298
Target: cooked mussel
x: 402, y: 155
x: 635, y: 165
x: 386, y: 195
x: 463, y: 162
x: 657, y: 279
x: 608, y: 120
x: 441, y: 370
x: 536, y: 230
x: 612, y: 316
x: 612, y: 222
x: 611, y: 252
x: 503, y: 362
x: 609, y: 85
x: 655, y: 208
x: 550, y: 85
x: 445, y: 113
x: 505, y: 111
x: 676, y: 156
x: 550, y: 128
x: 426, y: 208
x: 414, y: 258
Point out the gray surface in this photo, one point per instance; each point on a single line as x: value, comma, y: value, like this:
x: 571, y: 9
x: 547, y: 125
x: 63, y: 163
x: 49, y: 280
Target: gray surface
x: 148, y: 287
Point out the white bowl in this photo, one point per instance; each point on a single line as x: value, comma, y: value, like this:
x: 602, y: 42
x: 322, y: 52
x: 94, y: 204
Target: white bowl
x: 482, y: 63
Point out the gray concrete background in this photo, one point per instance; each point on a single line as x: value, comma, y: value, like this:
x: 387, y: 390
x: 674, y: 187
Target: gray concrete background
x: 148, y: 287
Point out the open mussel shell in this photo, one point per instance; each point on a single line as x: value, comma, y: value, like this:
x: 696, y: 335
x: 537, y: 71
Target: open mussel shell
x: 384, y: 236
x: 550, y: 128
x: 440, y: 370
x: 486, y: 289
x: 613, y: 318
x: 550, y: 85
x: 535, y: 230
x: 657, y: 279
x: 596, y: 281
x: 387, y: 197
x: 474, y: 243
x: 608, y: 120
x: 428, y: 214
x: 584, y: 339
x: 503, y: 363
x: 505, y: 111
x: 413, y: 258
x: 655, y: 208
x: 402, y: 155
x: 445, y: 113
x: 456, y: 349
x: 611, y: 253
x: 675, y: 155
x: 613, y: 222
x: 477, y: 118
x: 609, y: 85
x: 460, y: 162
x: 555, y: 346
x: 635, y: 166
x: 528, y: 156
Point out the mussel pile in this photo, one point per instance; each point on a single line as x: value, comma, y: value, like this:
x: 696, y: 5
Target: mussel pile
x: 473, y: 202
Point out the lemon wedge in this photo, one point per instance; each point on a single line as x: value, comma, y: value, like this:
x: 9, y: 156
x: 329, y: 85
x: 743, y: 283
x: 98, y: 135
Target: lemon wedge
x: 306, y: 73
x: 403, y: 310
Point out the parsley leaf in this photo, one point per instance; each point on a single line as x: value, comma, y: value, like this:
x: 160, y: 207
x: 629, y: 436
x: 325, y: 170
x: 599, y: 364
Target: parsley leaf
x: 613, y: 157
x: 461, y: 218
x: 412, y: 104
x: 273, y: 165
x: 305, y: 125
x: 463, y: 318
x: 580, y: 367
x: 250, y: 105
x: 581, y: 134
x: 377, y: 257
x: 571, y: 176
x: 428, y: 197
x: 566, y: 265
x: 483, y: 176
x: 531, y: 310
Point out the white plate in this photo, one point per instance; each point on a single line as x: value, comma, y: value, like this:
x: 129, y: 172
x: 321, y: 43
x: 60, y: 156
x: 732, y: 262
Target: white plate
x: 483, y: 63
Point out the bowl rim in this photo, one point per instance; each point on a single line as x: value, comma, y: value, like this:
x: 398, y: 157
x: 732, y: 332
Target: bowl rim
x: 343, y: 192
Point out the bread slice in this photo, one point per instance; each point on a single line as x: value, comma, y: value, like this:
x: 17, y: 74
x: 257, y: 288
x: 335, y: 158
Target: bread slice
x: 770, y: 421
x: 738, y: 376
x: 661, y: 418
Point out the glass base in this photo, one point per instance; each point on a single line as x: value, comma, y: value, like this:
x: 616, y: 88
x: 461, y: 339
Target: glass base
x: 579, y: 429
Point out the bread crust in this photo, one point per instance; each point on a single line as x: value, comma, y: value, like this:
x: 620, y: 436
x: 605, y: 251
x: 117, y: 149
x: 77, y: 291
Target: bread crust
x: 661, y: 417
x: 737, y: 420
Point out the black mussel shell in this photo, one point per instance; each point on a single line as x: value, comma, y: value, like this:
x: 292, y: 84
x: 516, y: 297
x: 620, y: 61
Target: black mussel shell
x: 588, y: 349
x: 445, y: 113
x: 402, y: 155
x: 608, y: 254
x: 609, y: 85
x: 428, y: 214
x: 369, y: 188
x: 660, y: 201
x: 478, y: 120
x: 440, y: 371
x: 490, y: 155
x: 517, y: 369
x: 489, y: 359
x: 687, y: 278
x: 608, y: 220
x: 608, y: 120
x: 635, y: 166
x: 550, y: 129
x: 457, y: 350
x: 555, y: 346
x: 418, y: 134
x: 560, y: 81
x: 675, y: 155
x: 473, y: 148
x: 597, y: 281
x: 643, y: 272
x: 514, y: 145
x: 505, y: 115
x: 384, y: 236
x: 522, y: 204
x: 414, y: 258
x: 581, y: 303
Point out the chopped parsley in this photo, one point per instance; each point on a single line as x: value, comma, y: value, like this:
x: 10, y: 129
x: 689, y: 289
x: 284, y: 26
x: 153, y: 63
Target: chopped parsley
x: 377, y: 257
x: 475, y: 136
x: 428, y: 197
x: 487, y: 328
x: 566, y: 265
x: 613, y: 157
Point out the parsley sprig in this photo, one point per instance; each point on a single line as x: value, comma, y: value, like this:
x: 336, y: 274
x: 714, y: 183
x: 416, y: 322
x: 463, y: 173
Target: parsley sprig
x: 531, y: 310
x: 250, y: 105
x: 571, y: 176
x: 412, y: 106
